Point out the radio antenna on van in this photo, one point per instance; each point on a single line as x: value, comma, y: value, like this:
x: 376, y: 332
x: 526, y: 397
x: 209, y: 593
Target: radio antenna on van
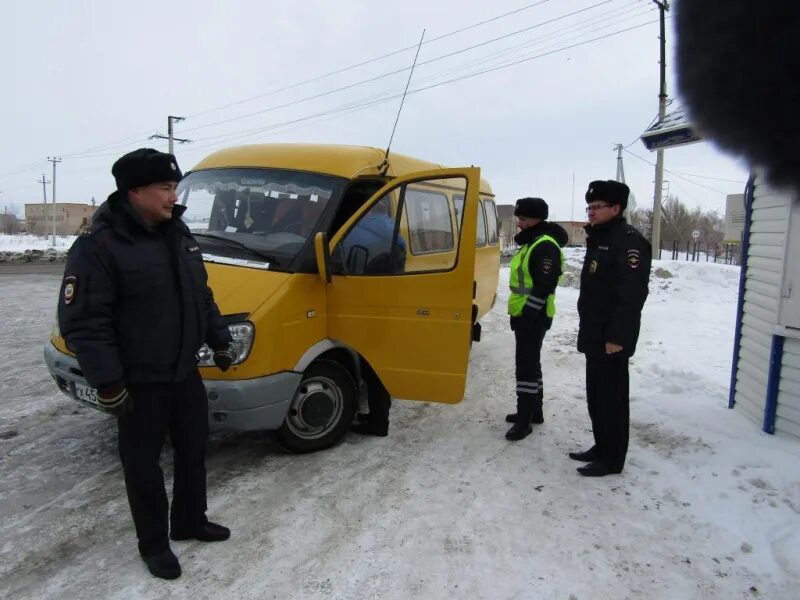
x: 384, y: 166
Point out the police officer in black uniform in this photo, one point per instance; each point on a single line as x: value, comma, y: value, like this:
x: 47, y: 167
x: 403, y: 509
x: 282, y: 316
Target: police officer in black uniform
x: 614, y: 281
x: 135, y: 308
x: 534, y: 273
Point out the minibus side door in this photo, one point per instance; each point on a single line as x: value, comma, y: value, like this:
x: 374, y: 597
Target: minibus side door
x: 401, y: 284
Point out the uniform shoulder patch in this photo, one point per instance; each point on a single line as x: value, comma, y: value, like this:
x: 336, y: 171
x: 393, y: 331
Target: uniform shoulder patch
x: 634, y: 258
x: 547, y: 266
x: 69, y: 288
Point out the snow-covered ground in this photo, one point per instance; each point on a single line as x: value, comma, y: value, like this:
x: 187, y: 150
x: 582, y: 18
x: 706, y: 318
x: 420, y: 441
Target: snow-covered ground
x: 23, y: 241
x: 445, y: 507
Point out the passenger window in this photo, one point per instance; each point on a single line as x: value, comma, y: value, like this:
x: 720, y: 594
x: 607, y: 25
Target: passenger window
x: 429, y: 224
x: 374, y: 245
x: 491, y: 220
x: 458, y: 201
x: 480, y: 234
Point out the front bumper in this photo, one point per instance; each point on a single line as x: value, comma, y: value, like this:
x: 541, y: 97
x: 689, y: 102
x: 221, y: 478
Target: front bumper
x: 243, y: 405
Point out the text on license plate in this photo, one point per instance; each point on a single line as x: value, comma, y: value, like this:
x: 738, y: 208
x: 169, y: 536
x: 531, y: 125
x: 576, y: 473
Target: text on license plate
x: 86, y: 394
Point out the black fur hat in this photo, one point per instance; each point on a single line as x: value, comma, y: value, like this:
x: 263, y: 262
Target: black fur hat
x: 609, y: 191
x: 143, y: 167
x: 535, y: 208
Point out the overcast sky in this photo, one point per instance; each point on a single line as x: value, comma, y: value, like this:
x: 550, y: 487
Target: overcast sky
x: 92, y: 79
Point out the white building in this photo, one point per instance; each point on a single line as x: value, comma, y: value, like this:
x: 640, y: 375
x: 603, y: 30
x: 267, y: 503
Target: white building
x: 734, y: 218
x: 765, y: 378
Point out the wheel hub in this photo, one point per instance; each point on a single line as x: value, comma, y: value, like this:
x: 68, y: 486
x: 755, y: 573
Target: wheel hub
x: 317, y: 409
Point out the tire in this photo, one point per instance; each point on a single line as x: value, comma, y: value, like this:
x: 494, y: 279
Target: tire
x: 322, y: 409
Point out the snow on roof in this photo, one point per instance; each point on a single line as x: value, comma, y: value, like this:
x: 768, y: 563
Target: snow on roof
x: 675, y: 129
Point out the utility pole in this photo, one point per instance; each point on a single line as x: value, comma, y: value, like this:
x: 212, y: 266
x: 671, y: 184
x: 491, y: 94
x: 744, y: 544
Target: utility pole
x: 572, y: 201
x: 620, y: 167
x: 44, y: 183
x: 55, y: 160
x: 621, y: 176
x: 655, y: 236
x: 170, y: 134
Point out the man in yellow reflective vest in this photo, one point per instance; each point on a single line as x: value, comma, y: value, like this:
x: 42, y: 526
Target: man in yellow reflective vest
x: 533, y: 277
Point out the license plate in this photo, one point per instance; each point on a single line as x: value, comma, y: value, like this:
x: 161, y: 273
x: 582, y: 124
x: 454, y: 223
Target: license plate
x: 84, y: 393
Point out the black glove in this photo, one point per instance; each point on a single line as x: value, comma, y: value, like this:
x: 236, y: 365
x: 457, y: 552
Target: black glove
x: 116, y: 401
x: 223, y: 358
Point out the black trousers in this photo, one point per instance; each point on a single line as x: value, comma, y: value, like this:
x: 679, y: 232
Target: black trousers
x: 529, y: 336
x: 378, y: 398
x: 180, y: 410
x: 607, y: 393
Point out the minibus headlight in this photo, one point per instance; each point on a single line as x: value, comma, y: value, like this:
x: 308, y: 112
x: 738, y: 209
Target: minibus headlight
x: 242, y: 334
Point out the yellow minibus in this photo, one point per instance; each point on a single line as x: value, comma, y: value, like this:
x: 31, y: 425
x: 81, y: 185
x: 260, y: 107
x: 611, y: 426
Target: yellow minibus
x: 322, y: 258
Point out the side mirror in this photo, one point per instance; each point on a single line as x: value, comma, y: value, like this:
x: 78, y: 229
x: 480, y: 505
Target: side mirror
x: 323, y: 254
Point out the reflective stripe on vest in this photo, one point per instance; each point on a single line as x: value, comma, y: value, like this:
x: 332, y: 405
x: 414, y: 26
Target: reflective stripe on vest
x: 521, y: 283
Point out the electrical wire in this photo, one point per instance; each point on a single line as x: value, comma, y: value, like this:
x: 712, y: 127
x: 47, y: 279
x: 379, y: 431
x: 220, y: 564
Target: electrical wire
x: 674, y: 173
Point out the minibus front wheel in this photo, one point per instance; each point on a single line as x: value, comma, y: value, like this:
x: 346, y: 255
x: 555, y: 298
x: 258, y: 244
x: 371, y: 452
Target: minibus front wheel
x: 321, y: 410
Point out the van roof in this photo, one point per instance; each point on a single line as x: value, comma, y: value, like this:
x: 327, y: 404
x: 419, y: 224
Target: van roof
x: 331, y: 159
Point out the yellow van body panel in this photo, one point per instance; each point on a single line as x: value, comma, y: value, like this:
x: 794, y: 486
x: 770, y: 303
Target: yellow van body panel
x: 330, y: 159
x: 414, y: 329
x: 288, y: 322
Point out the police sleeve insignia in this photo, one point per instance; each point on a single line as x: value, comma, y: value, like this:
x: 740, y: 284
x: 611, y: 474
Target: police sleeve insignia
x: 70, y: 288
x: 593, y: 266
x: 633, y: 259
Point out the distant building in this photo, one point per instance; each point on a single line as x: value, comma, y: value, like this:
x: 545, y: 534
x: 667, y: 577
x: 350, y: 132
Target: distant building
x: 734, y: 218
x: 507, y: 224
x: 71, y: 218
x: 575, y: 231
x: 508, y: 228
x: 9, y: 223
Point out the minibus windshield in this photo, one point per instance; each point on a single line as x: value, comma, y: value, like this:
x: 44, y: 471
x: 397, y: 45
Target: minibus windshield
x: 267, y: 213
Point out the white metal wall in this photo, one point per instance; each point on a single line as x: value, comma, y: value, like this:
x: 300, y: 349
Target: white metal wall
x: 768, y: 233
x: 787, y: 419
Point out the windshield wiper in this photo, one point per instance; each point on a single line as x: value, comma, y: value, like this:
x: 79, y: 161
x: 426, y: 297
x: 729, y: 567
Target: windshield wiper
x: 237, y: 244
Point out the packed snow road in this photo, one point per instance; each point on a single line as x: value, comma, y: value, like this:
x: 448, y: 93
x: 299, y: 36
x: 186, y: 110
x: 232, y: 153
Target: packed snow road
x: 444, y: 507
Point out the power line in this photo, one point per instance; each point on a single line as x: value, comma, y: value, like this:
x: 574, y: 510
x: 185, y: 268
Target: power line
x: 397, y: 71
x: 142, y: 135
x: 355, y: 106
x: 88, y: 153
x: 369, y: 61
x: 446, y: 82
x: 676, y: 174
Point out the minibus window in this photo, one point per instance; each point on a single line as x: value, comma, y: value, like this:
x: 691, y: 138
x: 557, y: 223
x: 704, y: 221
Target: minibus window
x: 458, y: 201
x: 271, y: 212
x: 491, y: 220
x: 480, y: 234
x: 373, y: 246
x: 429, y: 224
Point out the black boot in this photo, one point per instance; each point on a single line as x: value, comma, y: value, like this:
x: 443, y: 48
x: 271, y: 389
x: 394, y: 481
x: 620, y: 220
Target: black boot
x: 522, y: 426
x: 519, y: 431
x: 589, y: 455
x: 371, y: 428
x: 208, y: 532
x: 598, y: 469
x: 163, y: 564
x: 537, y: 416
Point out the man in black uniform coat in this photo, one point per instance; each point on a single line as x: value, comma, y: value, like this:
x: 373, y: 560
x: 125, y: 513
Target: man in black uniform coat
x: 135, y: 308
x: 614, y: 281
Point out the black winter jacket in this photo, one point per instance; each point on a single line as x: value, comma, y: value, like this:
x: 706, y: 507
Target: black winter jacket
x: 614, y: 281
x: 544, y: 265
x: 135, y: 306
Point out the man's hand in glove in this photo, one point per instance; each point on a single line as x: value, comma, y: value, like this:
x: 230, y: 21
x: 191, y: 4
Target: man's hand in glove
x: 115, y: 400
x: 223, y: 358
